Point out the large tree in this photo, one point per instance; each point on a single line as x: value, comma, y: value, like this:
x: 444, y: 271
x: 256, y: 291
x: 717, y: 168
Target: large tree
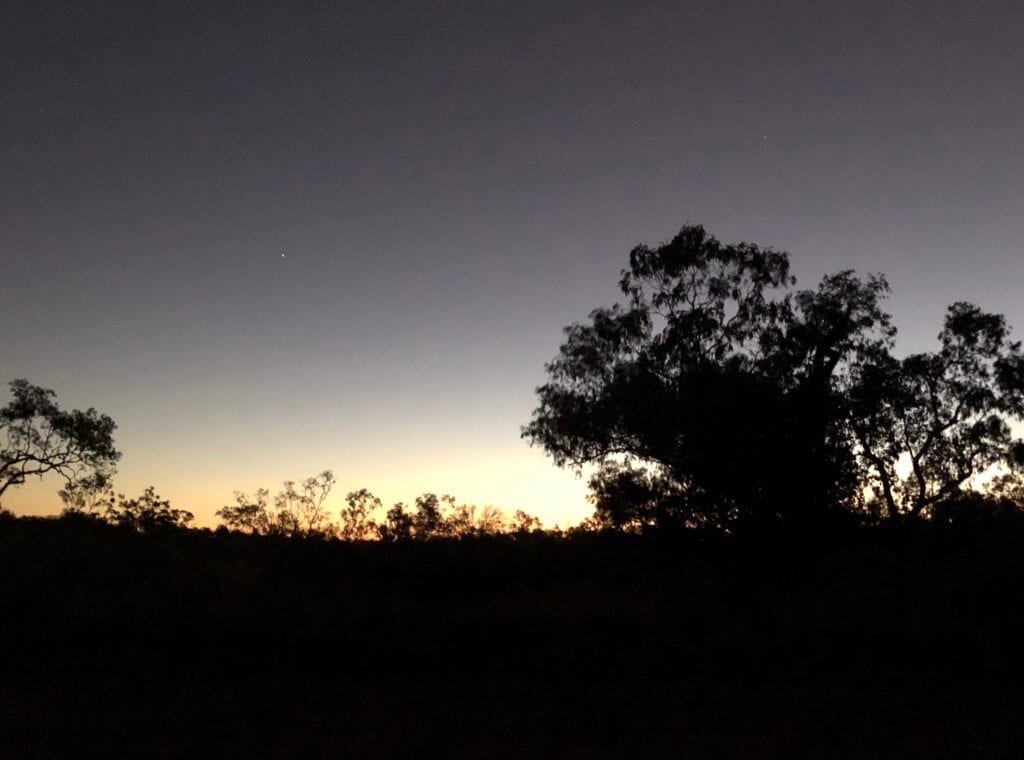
x: 37, y: 437
x: 715, y: 392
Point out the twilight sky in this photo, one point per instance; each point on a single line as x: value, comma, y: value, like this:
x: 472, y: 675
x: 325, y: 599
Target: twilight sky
x: 270, y: 238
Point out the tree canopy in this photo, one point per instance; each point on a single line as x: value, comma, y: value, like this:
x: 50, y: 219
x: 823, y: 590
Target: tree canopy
x: 38, y: 437
x: 716, y: 392
x: 944, y: 413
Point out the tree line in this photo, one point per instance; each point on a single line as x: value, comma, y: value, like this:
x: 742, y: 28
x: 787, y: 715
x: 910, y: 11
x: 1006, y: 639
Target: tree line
x: 715, y: 395
x: 300, y: 511
x: 41, y: 438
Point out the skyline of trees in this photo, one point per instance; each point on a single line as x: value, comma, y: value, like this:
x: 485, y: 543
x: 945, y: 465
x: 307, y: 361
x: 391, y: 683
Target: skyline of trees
x: 715, y: 394
x: 38, y: 438
x: 363, y: 517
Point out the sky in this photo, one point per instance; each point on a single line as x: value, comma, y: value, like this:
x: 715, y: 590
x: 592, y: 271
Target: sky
x: 271, y: 238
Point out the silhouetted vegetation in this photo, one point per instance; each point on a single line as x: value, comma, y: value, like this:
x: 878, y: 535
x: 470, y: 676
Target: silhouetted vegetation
x: 818, y: 575
x: 93, y: 498
x: 293, y: 512
x: 304, y: 513
x: 37, y: 437
x: 717, y: 395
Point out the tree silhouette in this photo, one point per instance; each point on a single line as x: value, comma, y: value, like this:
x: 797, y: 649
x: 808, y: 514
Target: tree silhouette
x: 147, y: 512
x: 293, y: 512
x: 398, y: 524
x: 724, y: 386
x: 523, y: 523
x: 944, y: 413
x: 441, y: 517
x: 248, y: 514
x: 91, y: 495
x: 427, y: 520
x: 357, y: 522
x: 466, y: 520
x: 38, y: 437
x: 304, y: 511
x: 94, y: 497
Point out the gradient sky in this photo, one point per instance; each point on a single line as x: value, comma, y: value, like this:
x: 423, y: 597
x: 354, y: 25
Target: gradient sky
x: 273, y: 238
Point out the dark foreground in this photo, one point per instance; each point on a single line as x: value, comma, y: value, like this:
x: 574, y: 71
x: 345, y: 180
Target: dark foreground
x: 903, y: 642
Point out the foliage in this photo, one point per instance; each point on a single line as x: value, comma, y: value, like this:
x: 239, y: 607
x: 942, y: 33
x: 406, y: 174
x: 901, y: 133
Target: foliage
x: 945, y: 413
x: 304, y: 511
x: 470, y: 520
x: 357, y: 522
x: 94, y: 498
x: 440, y: 517
x: 716, y: 394
x: 524, y: 523
x: 91, y: 495
x: 248, y: 514
x: 38, y: 437
x: 398, y: 524
x: 630, y: 498
x: 147, y: 513
x: 427, y: 520
x: 717, y: 379
x: 293, y: 512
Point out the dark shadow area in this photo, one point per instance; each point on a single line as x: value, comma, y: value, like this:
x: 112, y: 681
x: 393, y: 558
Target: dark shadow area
x: 901, y: 640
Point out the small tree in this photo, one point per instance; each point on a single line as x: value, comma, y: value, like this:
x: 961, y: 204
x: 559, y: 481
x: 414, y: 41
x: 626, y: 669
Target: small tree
x: 305, y: 511
x: 398, y: 524
x: 248, y: 514
x: 468, y: 520
x: 490, y: 522
x: 357, y: 522
x: 294, y: 512
x: 147, y: 513
x: 92, y: 495
x: 38, y: 437
x: 432, y: 516
x: 523, y: 522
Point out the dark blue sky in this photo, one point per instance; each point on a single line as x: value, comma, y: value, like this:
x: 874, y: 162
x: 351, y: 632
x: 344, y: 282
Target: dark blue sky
x: 269, y: 238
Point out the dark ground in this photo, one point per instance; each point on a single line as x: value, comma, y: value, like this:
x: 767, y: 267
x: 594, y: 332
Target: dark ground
x: 902, y: 642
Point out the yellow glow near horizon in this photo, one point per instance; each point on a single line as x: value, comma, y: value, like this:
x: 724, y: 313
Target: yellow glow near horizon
x: 525, y: 481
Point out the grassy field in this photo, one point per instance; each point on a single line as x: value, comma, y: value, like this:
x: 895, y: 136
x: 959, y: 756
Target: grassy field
x: 897, y: 642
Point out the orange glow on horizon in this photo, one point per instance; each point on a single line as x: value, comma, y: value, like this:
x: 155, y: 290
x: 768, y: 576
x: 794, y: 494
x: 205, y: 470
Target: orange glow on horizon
x: 528, y: 482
